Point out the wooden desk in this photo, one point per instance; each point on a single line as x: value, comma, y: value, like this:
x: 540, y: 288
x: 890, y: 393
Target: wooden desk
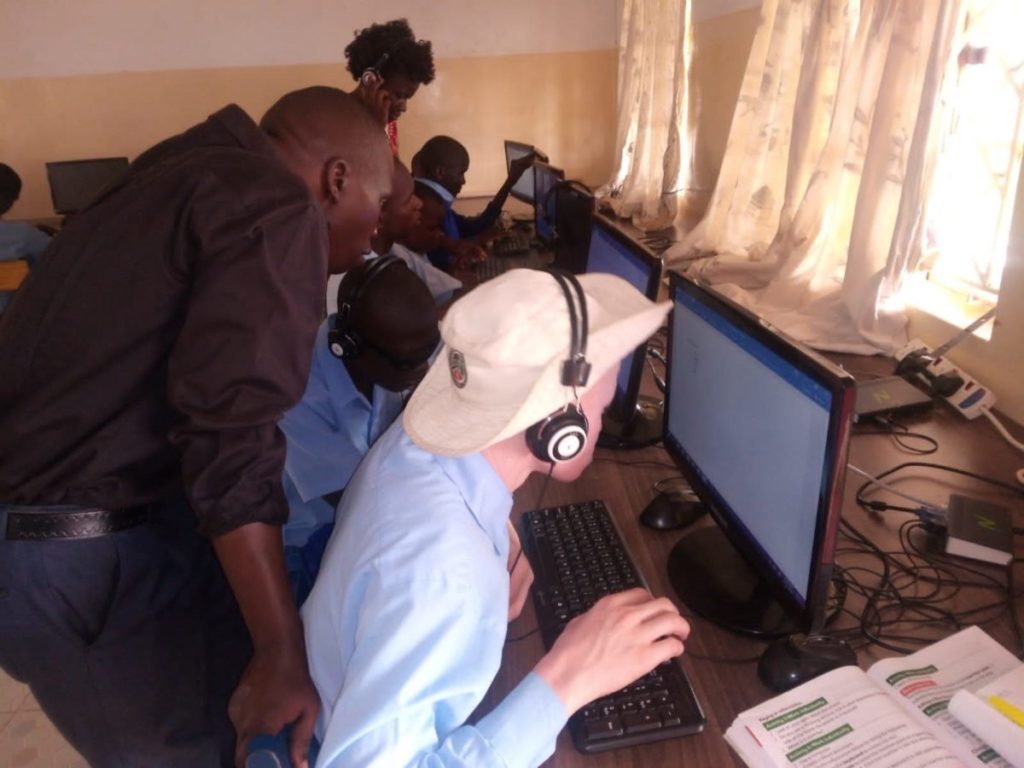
x: 725, y: 689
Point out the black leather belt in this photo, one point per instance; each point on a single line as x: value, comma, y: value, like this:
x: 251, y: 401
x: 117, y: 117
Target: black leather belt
x: 76, y: 523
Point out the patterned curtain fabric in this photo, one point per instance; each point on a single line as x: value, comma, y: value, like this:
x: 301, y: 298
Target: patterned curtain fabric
x: 653, y: 155
x: 833, y: 144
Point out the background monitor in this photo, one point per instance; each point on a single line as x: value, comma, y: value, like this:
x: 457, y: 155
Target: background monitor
x: 545, y: 214
x: 74, y: 184
x: 574, y: 217
x: 760, y: 427
x: 630, y: 419
x: 522, y: 190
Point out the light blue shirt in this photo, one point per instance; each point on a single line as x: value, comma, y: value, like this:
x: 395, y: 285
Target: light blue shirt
x: 328, y: 432
x: 19, y: 240
x: 407, y: 620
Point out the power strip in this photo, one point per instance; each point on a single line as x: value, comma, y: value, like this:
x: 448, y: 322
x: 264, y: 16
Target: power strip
x: 969, y: 398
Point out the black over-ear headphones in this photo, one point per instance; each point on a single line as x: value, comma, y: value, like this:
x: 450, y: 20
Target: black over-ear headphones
x: 372, y: 75
x: 562, y: 435
x: 342, y: 339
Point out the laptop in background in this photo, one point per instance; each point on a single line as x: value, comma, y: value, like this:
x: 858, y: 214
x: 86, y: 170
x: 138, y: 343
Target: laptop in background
x: 74, y: 184
x: 889, y: 396
x: 523, y: 188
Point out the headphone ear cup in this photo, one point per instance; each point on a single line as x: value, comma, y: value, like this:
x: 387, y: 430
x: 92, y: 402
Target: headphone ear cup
x: 344, y: 345
x: 560, y: 437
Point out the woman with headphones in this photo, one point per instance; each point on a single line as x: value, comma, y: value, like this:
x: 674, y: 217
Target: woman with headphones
x: 389, y: 65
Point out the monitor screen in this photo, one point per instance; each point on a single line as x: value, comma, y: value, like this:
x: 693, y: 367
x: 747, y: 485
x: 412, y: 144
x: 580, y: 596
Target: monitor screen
x: 545, y: 177
x: 613, y: 251
x: 74, y: 184
x: 759, y: 425
x: 522, y: 190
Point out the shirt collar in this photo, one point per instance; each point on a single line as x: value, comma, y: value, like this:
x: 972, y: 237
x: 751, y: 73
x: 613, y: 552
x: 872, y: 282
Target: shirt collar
x: 447, y: 196
x: 248, y: 134
x: 485, y: 494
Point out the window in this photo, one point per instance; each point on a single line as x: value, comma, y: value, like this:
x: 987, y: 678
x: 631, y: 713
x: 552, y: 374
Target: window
x: 972, y: 199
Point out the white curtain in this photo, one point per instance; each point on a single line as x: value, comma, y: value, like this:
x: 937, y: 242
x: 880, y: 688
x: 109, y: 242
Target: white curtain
x: 653, y: 153
x: 818, y: 206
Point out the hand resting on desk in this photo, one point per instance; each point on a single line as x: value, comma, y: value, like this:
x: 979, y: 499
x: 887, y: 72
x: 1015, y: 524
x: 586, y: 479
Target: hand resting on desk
x: 622, y: 637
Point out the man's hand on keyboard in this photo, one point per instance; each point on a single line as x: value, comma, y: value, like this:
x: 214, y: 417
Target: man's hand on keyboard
x: 520, y: 575
x: 622, y: 637
x: 467, y: 253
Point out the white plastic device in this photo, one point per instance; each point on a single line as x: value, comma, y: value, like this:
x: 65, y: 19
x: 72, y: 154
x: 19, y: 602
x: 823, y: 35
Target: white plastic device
x: 971, y: 398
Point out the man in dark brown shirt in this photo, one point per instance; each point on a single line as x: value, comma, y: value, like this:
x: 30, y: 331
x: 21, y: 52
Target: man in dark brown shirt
x: 143, y: 368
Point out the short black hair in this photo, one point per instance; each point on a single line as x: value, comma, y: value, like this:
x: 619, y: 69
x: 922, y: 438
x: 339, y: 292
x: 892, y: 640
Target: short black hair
x: 441, y: 150
x: 10, y: 187
x: 390, y: 48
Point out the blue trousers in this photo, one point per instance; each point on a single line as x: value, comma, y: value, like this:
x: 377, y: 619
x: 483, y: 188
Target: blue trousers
x: 131, y: 642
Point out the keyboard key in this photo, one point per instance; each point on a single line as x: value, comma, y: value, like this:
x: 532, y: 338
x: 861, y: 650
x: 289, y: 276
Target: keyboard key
x: 605, y: 728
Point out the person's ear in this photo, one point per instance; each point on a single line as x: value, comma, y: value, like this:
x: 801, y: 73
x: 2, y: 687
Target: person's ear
x: 335, y: 177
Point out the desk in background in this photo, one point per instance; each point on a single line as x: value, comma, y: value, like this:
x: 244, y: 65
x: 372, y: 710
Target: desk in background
x: 624, y: 480
x: 12, y: 274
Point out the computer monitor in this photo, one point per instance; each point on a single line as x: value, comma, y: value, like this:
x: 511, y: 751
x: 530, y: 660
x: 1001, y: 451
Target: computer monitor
x: 522, y: 190
x: 74, y: 184
x: 631, y: 419
x: 574, y: 216
x: 759, y: 426
x: 545, y: 214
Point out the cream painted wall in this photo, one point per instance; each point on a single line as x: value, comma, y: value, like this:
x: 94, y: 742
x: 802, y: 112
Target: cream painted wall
x: 721, y: 44
x: 560, y: 101
x: 109, y: 77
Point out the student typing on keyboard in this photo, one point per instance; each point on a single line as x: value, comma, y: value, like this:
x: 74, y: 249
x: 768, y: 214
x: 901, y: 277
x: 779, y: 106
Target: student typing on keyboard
x: 406, y: 622
x: 442, y: 163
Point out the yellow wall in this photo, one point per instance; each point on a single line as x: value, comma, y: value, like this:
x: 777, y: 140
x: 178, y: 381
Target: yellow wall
x: 720, y: 48
x: 563, y: 102
x: 721, y: 45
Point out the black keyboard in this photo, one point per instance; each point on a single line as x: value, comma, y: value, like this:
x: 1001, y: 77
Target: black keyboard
x: 577, y: 557
x: 492, y: 267
x: 513, y: 243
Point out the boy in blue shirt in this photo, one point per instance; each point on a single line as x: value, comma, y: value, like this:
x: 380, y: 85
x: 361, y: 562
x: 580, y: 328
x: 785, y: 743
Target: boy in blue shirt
x: 17, y: 239
x: 441, y: 164
x: 366, y: 358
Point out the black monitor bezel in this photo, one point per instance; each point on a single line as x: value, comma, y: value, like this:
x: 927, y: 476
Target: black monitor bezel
x: 538, y: 205
x: 123, y: 162
x: 527, y: 149
x: 809, y: 615
x: 623, y: 405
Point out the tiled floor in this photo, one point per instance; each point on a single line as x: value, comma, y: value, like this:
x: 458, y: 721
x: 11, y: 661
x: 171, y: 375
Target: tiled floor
x: 27, y: 738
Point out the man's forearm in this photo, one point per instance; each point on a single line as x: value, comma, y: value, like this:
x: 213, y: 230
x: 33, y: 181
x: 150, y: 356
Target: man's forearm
x: 253, y: 560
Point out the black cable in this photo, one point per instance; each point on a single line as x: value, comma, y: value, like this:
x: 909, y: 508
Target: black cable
x: 900, y: 433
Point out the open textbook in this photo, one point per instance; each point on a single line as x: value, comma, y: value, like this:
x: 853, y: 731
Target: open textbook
x: 895, y: 714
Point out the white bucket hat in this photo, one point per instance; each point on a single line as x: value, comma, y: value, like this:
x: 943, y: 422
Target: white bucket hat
x: 504, y: 344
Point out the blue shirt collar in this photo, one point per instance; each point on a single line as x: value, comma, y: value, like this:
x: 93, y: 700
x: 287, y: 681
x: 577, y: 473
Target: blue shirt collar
x: 447, y: 196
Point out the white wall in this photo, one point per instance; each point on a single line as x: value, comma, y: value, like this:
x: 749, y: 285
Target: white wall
x: 51, y: 38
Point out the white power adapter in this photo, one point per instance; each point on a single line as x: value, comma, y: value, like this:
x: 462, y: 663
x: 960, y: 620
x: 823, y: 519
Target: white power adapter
x: 958, y: 388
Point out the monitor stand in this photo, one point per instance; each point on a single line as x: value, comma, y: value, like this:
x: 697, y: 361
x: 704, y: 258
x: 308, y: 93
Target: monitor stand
x: 713, y: 579
x: 643, y: 428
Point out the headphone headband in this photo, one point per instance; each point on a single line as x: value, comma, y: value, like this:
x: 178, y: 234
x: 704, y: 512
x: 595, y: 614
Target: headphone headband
x: 342, y: 339
x: 562, y: 435
x: 576, y: 369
